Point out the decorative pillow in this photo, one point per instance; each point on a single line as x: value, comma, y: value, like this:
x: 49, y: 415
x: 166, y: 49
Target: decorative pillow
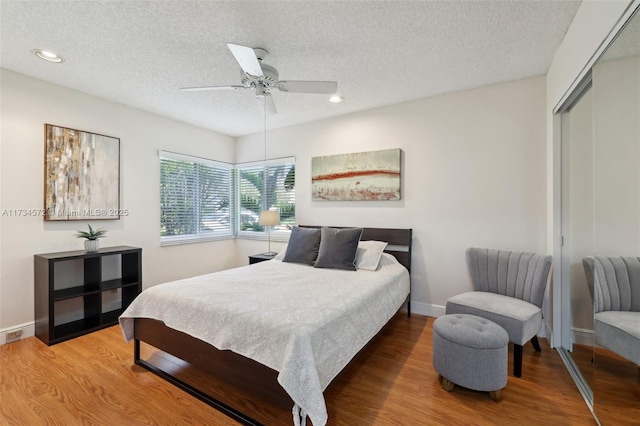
x: 338, y: 248
x: 281, y: 254
x: 368, y: 254
x: 303, y: 246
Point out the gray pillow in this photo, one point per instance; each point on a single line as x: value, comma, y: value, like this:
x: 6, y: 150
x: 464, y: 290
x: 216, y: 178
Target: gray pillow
x: 303, y: 245
x: 338, y: 248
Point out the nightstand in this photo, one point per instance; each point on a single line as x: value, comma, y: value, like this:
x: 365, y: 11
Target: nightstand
x: 256, y: 258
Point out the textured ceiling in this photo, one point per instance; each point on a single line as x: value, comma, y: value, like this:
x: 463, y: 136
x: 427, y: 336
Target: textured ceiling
x: 139, y: 53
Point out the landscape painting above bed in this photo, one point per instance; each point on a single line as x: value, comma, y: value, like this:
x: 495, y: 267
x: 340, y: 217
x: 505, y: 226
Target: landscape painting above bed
x: 360, y: 176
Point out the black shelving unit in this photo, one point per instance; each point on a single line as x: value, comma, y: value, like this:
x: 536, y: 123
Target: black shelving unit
x: 77, y: 292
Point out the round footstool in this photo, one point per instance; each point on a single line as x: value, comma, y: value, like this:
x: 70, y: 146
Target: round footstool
x: 471, y: 352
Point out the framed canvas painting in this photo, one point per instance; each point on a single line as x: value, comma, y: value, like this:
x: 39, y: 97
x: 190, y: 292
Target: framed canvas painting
x: 361, y: 176
x: 82, y: 175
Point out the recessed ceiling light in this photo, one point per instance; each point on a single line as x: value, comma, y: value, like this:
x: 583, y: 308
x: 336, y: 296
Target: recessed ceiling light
x: 47, y: 56
x: 336, y: 99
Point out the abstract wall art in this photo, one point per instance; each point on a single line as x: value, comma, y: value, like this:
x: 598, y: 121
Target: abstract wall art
x: 361, y: 176
x: 82, y: 175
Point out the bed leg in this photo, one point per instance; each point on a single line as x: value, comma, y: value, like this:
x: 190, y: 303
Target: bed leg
x: 136, y: 351
x: 409, y: 305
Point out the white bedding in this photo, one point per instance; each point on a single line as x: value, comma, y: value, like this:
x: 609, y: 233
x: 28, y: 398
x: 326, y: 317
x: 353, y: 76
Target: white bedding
x: 306, y: 323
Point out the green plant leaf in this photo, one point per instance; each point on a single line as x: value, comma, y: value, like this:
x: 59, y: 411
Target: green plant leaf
x: 92, y: 234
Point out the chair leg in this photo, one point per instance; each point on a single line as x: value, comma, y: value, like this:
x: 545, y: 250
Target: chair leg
x: 536, y: 344
x: 517, y: 360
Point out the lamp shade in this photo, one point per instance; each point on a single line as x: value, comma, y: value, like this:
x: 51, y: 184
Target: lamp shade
x: 269, y: 218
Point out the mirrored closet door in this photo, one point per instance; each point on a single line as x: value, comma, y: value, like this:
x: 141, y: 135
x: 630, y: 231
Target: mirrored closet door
x: 578, y: 236
x: 616, y: 194
x: 600, y: 224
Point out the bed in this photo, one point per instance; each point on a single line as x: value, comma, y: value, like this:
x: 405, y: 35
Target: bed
x: 287, y: 329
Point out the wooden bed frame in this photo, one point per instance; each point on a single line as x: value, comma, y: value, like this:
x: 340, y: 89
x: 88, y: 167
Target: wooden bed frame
x: 233, y: 368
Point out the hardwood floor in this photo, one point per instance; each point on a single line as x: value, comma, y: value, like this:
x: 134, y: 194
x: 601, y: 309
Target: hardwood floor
x: 615, y: 382
x: 91, y: 380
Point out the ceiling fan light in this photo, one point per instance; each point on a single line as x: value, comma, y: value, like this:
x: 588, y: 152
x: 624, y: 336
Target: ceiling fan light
x: 335, y: 99
x: 47, y: 56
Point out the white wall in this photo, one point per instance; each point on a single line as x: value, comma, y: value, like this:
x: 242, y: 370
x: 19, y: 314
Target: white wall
x: 616, y: 87
x: 473, y: 174
x: 29, y: 103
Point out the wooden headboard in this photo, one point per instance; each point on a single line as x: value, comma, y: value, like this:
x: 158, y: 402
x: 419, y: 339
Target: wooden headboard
x: 399, y: 241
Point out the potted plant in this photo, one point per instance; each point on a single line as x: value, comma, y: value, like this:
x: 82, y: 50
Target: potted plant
x: 91, y: 237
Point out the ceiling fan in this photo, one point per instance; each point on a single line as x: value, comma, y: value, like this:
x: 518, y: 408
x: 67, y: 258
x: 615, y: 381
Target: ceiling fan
x: 262, y: 78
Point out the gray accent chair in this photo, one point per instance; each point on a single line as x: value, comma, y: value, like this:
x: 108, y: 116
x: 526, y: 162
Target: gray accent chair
x: 508, y: 289
x: 616, y: 285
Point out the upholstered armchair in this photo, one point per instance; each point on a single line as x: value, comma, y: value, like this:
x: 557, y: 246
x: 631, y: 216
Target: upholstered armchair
x: 616, y: 288
x: 508, y: 288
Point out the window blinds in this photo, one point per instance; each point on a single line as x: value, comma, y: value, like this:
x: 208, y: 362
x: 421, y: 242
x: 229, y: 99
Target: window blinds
x: 196, y: 198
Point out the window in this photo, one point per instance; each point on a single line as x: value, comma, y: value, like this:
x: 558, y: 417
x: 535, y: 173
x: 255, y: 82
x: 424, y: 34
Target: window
x: 255, y: 193
x: 196, y: 199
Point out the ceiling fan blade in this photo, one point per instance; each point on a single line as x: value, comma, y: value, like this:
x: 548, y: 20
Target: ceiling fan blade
x: 271, y: 106
x: 299, y: 86
x: 203, y: 88
x: 247, y: 59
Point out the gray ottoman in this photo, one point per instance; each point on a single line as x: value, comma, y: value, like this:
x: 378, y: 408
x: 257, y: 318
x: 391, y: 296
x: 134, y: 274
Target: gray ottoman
x: 471, y: 352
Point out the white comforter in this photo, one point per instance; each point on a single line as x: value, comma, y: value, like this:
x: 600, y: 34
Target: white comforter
x: 306, y: 323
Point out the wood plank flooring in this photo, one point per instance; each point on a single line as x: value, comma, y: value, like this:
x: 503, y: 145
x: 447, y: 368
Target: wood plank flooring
x: 615, y: 382
x: 91, y: 380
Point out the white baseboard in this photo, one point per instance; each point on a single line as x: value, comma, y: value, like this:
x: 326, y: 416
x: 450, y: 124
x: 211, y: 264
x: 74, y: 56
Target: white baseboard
x: 427, y: 309
x: 582, y: 336
x: 543, y: 331
x: 28, y: 330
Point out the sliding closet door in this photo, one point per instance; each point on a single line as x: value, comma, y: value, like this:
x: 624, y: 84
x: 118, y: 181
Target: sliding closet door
x: 578, y: 234
x: 616, y: 116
